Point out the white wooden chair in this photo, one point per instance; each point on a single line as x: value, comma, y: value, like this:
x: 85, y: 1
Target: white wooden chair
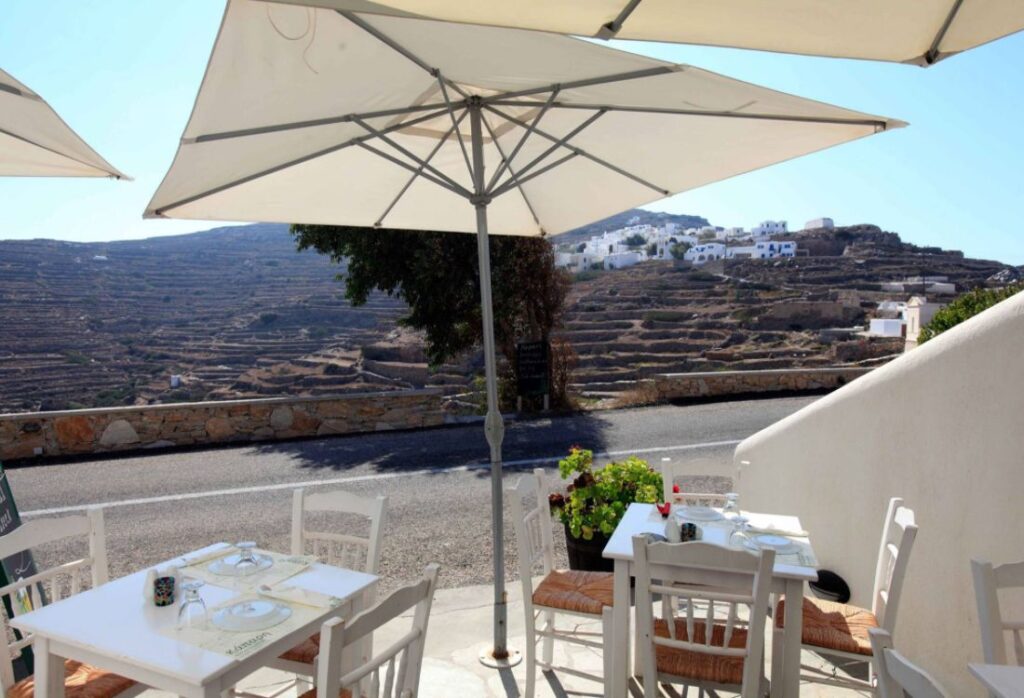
x: 339, y: 549
x: 574, y: 593
x: 841, y: 630
x: 401, y: 662
x: 897, y: 677
x: 988, y: 580
x: 673, y: 471
x: 707, y: 644
x: 56, y: 583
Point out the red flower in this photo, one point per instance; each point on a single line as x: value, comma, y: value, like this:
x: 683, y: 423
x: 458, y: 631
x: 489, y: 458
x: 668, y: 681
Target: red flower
x: 664, y: 509
x: 675, y: 489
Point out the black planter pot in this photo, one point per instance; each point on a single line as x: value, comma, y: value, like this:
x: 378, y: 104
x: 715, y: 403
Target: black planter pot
x: 586, y: 554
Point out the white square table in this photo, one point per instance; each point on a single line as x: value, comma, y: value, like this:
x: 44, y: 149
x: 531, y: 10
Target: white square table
x: 1002, y: 680
x: 787, y: 579
x: 114, y: 628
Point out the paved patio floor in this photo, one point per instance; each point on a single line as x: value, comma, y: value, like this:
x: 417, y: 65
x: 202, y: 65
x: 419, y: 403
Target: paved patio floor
x: 460, y: 626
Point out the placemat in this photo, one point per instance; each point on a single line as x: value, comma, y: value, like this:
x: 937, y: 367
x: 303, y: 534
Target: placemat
x: 284, y: 566
x: 239, y: 645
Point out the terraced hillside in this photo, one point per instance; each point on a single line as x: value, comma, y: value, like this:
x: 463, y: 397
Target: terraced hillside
x: 109, y: 323
x: 741, y: 314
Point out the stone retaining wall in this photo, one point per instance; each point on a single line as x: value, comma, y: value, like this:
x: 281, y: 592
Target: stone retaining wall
x: 674, y: 386
x: 76, y: 432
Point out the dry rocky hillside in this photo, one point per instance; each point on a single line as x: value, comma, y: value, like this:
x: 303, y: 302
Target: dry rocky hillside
x: 237, y: 312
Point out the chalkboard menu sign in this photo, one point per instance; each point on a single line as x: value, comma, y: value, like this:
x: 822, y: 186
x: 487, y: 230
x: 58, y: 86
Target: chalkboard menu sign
x: 13, y: 568
x: 533, y: 369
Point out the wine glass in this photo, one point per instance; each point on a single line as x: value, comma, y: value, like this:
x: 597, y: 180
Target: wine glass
x: 247, y: 562
x: 192, y: 613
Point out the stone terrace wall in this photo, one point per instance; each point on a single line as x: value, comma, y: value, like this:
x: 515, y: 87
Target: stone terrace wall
x: 672, y: 386
x: 77, y: 432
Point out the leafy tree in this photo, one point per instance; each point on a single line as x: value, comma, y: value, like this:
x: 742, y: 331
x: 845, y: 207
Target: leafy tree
x: 635, y: 240
x: 679, y: 249
x: 581, y: 247
x: 437, y: 276
x: 652, y: 250
x: 964, y: 307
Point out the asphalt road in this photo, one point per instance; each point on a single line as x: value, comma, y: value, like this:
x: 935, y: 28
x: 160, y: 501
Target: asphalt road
x: 437, y: 481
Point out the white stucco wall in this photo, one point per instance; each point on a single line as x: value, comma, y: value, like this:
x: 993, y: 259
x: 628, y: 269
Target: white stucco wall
x: 942, y: 427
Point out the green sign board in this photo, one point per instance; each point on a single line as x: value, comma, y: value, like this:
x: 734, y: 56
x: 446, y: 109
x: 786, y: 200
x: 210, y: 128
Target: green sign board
x: 533, y: 369
x: 15, y: 567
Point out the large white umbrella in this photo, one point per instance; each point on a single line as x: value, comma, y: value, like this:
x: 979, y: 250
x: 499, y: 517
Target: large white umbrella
x: 35, y: 142
x: 318, y: 116
x: 920, y: 32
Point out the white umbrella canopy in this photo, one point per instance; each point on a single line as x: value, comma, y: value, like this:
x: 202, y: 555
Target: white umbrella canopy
x: 35, y: 142
x: 309, y: 115
x: 920, y: 32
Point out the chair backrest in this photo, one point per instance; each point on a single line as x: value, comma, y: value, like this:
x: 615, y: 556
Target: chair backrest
x: 893, y: 555
x: 340, y: 549
x: 897, y: 676
x: 401, y: 661
x: 988, y: 580
x: 53, y: 584
x: 691, y: 576
x: 673, y: 470
x: 531, y: 515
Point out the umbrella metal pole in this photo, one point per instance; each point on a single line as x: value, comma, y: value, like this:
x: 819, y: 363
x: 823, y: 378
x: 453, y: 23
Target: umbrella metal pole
x: 494, y: 428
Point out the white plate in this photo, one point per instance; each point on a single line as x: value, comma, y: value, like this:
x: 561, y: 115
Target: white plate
x: 258, y: 614
x: 694, y: 513
x: 226, y: 566
x: 766, y: 541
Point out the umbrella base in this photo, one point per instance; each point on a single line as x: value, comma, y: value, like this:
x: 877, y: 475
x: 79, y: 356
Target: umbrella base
x: 488, y: 659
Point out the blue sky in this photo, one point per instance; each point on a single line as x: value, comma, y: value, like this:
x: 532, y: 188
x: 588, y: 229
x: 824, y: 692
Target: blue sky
x: 124, y: 74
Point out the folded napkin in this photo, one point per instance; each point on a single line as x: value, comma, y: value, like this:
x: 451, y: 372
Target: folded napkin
x: 201, y: 556
x: 293, y: 594
x: 772, y: 530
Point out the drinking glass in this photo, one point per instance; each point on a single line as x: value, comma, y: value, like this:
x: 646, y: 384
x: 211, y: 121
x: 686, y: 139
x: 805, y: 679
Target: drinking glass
x: 740, y: 529
x: 192, y: 613
x: 247, y: 562
x: 732, y: 505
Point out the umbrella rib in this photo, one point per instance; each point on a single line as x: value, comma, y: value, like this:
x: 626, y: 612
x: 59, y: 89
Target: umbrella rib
x: 326, y: 121
x: 520, y: 181
x: 4, y: 87
x: 397, y: 47
x: 507, y: 162
x: 419, y: 170
x: 609, y: 30
x: 586, y: 82
x: 291, y: 163
x: 877, y: 123
x: 402, y: 163
x: 590, y: 156
x: 58, y: 153
x: 561, y: 142
x: 932, y: 55
x: 407, y: 153
x: 451, y: 113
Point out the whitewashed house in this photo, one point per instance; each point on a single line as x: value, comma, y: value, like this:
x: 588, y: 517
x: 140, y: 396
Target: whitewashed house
x: 621, y: 260
x: 762, y: 250
x: 816, y: 223
x: 918, y: 313
x: 577, y: 261
x: 885, y: 327
x: 766, y: 228
x: 705, y: 252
